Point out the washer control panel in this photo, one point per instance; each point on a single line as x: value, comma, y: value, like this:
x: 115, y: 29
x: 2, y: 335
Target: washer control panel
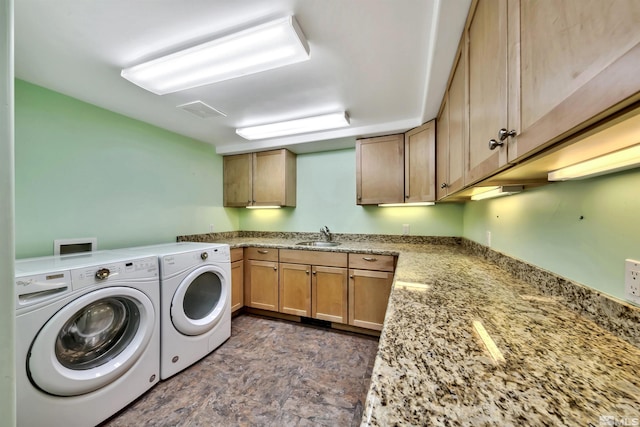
x: 117, y: 272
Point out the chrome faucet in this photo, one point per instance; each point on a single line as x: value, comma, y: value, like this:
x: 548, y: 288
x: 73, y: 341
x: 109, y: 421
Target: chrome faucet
x: 326, y: 233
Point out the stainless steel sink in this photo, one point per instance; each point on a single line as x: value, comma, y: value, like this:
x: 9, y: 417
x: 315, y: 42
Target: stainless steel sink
x: 319, y: 243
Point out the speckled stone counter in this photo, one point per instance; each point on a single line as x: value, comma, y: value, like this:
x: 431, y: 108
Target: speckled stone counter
x: 559, y: 367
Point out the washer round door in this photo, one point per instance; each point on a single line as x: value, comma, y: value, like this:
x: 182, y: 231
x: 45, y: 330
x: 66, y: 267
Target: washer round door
x: 200, y: 300
x: 91, y: 341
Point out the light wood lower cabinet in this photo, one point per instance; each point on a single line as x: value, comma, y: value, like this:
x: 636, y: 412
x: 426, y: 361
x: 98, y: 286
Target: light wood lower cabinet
x: 295, y: 289
x: 237, y: 279
x: 369, y: 289
x: 314, y: 284
x: 261, y: 278
x: 329, y: 294
x: 368, y: 297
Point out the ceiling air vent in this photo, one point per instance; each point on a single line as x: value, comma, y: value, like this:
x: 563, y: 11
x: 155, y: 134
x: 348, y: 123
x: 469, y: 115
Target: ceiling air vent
x: 201, y: 109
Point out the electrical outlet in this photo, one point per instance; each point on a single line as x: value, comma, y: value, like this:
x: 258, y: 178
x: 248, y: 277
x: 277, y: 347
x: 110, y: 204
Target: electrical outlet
x: 632, y: 280
x: 488, y: 238
x: 210, y: 228
x: 405, y: 229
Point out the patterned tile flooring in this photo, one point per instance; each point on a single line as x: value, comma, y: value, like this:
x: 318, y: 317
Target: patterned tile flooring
x: 269, y: 373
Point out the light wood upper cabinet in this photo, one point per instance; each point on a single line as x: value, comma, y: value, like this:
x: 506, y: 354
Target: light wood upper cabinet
x: 237, y: 180
x: 488, y: 82
x: 397, y: 168
x: 452, y: 132
x: 420, y: 163
x: 265, y: 178
x: 380, y: 170
x: 572, y: 62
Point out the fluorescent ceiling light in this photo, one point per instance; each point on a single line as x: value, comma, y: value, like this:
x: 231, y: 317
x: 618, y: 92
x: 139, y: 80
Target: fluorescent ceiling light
x: 294, y: 127
x: 264, y: 47
x: 263, y: 207
x: 397, y: 205
x: 613, y: 162
x: 505, y: 190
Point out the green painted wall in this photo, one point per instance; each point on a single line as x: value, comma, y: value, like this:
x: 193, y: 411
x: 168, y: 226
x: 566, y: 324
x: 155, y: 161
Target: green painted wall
x: 82, y: 171
x: 543, y: 226
x: 326, y: 195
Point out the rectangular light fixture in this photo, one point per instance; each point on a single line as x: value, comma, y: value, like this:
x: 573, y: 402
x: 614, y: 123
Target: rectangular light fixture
x: 398, y: 205
x: 505, y: 190
x: 297, y: 126
x: 626, y: 158
x: 263, y: 207
x: 264, y: 47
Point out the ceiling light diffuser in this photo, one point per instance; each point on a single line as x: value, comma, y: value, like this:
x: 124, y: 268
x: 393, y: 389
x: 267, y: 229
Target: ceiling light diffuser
x: 613, y: 162
x: 294, y: 127
x: 505, y: 190
x: 264, y: 47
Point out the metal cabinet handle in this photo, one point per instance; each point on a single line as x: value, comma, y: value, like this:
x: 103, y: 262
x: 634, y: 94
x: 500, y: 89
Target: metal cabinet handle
x: 351, y: 277
x: 275, y: 268
x: 262, y: 251
x: 443, y: 185
x: 369, y: 259
x: 504, y: 134
x: 307, y: 271
x: 314, y: 272
x: 493, y: 144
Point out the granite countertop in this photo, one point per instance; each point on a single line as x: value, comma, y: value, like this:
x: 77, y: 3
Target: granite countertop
x: 432, y: 368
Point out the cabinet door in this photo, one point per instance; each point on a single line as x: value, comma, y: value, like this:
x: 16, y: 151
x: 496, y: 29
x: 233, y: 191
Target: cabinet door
x: 578, y: 58
x: 329, y: 294
x: 274, y: 178
x: 237, y: 180
x: 295, y: 289
x: 442, y: 149
x: 261, y: 284
x: 458, y: 125
x: 487, y: 88
x: 368, y: 297
x: 380, y: 170
x: 237, y: 285
x: 420, y: 164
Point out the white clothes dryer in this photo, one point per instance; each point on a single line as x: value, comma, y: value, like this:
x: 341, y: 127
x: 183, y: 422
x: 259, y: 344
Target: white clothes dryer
x: 195, y: 295
x: 87, y: 336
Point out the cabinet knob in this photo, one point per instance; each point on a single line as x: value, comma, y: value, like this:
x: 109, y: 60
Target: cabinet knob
x: 443, y: 185
x: 493, y: 144
x: 275, y: 268
x: 351, y: 277
x: 314, y: 272
x: 504, y: 134
x: 307, y: 271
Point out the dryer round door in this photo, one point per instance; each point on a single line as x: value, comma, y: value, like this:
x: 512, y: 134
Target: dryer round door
x: 200, y: 300
x: 91, y: 341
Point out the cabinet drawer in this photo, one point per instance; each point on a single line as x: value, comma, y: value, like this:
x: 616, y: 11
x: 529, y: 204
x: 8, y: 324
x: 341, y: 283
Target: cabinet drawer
x: 237, y: 254
x: 262, y: 254
x: 330, y: 259
x: 371, y: 262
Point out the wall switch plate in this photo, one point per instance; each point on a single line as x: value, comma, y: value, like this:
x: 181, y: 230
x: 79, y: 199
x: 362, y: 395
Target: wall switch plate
x: 488, y: 238
x: 632, y: 280
x: 405, y: 229
x: 210, y: 228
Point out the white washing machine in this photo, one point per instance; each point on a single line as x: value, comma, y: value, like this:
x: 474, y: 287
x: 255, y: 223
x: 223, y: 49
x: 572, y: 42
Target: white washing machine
x: 87, y: 336
x: 195, y: 295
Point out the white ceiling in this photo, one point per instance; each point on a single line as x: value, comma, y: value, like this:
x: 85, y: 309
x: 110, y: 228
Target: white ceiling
x: 385, y: 62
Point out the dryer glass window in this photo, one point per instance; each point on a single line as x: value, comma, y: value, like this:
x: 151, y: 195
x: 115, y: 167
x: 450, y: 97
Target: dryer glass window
x: 97, y: 333
x: 203, y: 296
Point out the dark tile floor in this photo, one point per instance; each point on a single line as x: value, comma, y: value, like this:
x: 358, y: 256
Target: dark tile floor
x: 269, y: 373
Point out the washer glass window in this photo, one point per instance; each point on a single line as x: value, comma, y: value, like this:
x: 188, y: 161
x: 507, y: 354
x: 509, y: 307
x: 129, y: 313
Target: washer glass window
x: 202, y: 296
x: 97, y: 333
